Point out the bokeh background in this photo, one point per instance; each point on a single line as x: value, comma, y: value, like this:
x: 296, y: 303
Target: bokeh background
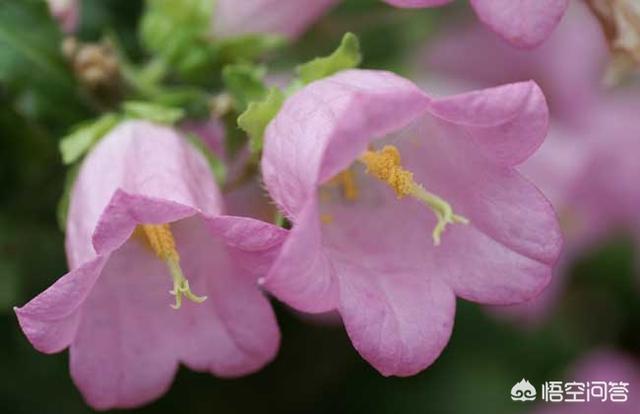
x: 317, y: 369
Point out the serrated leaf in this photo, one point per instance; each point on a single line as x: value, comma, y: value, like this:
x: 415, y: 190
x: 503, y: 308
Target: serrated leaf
x: 153, y: 112
x: 255, y: 119
x: 346, y: 56
x: 245, y: 84
x: 83, y: 137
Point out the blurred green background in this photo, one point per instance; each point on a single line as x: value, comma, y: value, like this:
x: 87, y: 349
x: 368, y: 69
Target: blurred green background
x: 317, y: 370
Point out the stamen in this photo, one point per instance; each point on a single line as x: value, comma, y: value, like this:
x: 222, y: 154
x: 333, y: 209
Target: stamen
x: 386, y: 165
x: 163, y: 244
x: 349, y: 187
x: 326, y: 218
x: 161, y: 240
x: 346, y: 181
x: 181, y: 286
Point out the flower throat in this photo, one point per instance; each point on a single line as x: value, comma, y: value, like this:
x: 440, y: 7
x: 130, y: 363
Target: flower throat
x: 163, y: 244
x: 386, y: 166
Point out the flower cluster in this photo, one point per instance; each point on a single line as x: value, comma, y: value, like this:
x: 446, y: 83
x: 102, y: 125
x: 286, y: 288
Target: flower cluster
x: 589, y: 179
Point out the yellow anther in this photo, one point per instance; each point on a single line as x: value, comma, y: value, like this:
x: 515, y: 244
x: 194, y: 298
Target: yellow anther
x: 386, y: 165
x: 326, y: 218
x: 163, y: 244
x: 161, y: 241
x: 349, y: 187
x: 346, y: 181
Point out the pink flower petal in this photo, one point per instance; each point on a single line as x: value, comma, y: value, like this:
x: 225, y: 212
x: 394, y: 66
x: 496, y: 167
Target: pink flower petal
x: 507, y: 123
x: 250, y: 200
x: 524, y: 23
x: 212, y: 134
x: 303, y: 275
x: 142, y: 159
x: 50, y: 320
x: 234, y: 332
x: 286, y: 17
x: 125, y: 211
x: 242, y: 197
x: 378, y: 249
x: 569, y: 66
x: 399, y: 322
x: 66, y: 12
x: 506, y: 253
x: 122, y: 354
x: 338, y: 116
x: 113, y: 310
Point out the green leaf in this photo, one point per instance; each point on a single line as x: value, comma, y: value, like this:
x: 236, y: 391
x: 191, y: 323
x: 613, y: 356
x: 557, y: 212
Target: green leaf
x: 169, y: 26
x: 62, y: 210
x: 346, y: 56
x: 38, y: 46
x: 153, y: 112
x: 32, y: 70
x: 244, y: 83
x: 247, y: 48
x: 197, y: 64
x: 83, y: 137
x: 177, y: 32
x: 255, y: 119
